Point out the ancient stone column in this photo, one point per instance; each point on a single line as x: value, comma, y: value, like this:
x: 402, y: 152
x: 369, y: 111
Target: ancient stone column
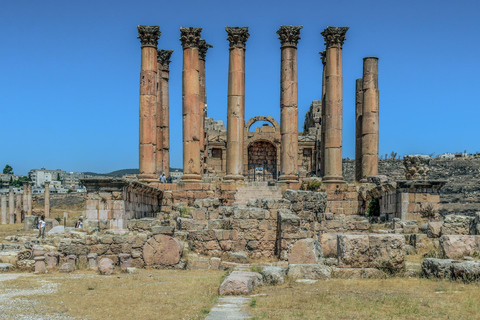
x: 237, y: 37
x: 163, y: 113
x: 323, y: 54
x: 203, y: 48
x: 29, y: 199
x: 25, y: 198
x: 190, y: 38
x: 47, y: 200
x: 148, y: 36
x: 358, y: 128
x: 370, y: 117
x: 11, y: 206
x: 334, y: 38
x: 18, y: 209
x: 39, y: 257
x: 289, y: 36
x: 3, y: 215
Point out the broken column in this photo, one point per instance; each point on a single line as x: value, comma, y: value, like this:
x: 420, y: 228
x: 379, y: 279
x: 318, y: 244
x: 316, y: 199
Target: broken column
x: 163, y: 113
x: 370, y: 117
x: 47, y: 200
x: 334, y: 38
x: 289, y: 36
x: 3, y: 215
x: 190, y: 38
x: 203, y: 48
x: 29, y: 199
x: 237, y: 38
x: 358, y: 128
x: 25, y: 198
x: 148, y: 36
x: 18, y: 209
x: 39, y: 257
x: 11, y: 206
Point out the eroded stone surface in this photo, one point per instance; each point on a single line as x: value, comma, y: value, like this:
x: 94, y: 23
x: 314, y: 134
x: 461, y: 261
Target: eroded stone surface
x: 309, y: 271
x: 162, y: 250
x: 305, y: 251
x: 105, y: 266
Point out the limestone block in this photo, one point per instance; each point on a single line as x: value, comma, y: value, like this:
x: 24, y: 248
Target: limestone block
x: 358, y: 273
x: 434, y: 229
x: 353, y: 251
x: 190, y: 224
x: 387, y: 251
x: 167, y: 230
x: 274, y: 275
x: 457, y: 225
x: 196, y: 262
x: 5, y: 267
x: 309, y: 271
x: 67, y: 267
x: 106, y: 266
x: 305, y: 251
x: 92, y: 261
x: 162, y: 250
x: 437, y: 268
x: 52, y: 259
x: 329, y: 244
x: 9, y: 257
x: 465, y: 270
x: 238, y: 257
x: 240, y: 282
x: 458, y: 246
x: 125, y: 260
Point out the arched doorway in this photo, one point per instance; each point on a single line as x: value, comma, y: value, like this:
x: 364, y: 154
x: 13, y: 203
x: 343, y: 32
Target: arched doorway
x: 262, y: 161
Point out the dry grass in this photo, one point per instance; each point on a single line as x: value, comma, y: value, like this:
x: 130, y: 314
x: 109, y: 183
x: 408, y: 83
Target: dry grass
x: 150, y: 294
x: 12, y: 230
x: 392, y: 298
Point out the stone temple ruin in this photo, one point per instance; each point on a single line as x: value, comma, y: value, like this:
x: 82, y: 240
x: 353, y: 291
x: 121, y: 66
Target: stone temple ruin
x: 273, y: 193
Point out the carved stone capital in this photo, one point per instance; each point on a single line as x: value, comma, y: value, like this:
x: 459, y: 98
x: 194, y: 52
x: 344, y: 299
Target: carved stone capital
x: 149, y: 35
x: 289, y: 35
x: 203, y: 47
x: 323, y: 54
x: 237, y: 36
x: 190, y: 37
x: 334, y: 36
x: 163, y: 58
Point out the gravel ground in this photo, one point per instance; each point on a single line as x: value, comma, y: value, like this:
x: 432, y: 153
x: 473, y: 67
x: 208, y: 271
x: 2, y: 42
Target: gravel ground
x: 15, y: 303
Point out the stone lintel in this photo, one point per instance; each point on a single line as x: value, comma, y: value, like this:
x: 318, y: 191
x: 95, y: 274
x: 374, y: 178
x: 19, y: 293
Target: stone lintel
x: 334, y: 36
x: 289, y: 35
x: 148, y: 35
x: 203, y: 47
x: 190, y: 37
x: 237, y: 36
x: 163, y: 58
x: 421, y: 184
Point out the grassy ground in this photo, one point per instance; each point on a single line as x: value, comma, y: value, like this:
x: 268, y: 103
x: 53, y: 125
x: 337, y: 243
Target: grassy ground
x: 392, y: 298
x: 11, y: 230
x: 150, y: 294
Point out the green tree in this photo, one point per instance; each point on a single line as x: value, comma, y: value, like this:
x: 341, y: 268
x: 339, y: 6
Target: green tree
x: 8, y: 169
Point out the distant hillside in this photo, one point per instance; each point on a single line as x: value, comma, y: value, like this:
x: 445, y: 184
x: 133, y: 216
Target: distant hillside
x: 120, y: 173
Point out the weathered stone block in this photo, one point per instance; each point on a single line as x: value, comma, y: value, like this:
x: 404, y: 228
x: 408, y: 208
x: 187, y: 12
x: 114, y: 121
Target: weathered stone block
x: 305, y: 251
x: 274, y: 275
x: 309, y: 271
x: 162, y: 250
x: 353, y: 251
x: 329, y: 244
x: 387, y: 251
x: 458, y: 246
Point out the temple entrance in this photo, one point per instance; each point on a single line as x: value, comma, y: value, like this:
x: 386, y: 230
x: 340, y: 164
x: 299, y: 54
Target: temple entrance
x: 262, y: 161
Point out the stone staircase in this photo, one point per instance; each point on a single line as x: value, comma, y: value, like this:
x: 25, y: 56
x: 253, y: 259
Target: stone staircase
x: 256, y: 190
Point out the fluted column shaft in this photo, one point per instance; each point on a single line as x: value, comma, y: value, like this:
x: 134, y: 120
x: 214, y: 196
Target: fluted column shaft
x: 203, y: 48
x: 25, y: 198
x: 370, y: 117
x: 322, y: 128
x: 163, y: 113
x: 358, y: 128
x: 148, y: 36
x: 236, y: 102
x: 29, y: 199
x: 47, y: 200
x: 11, y: 206
x: 190, y: 38
x: 334, y: 38
x: 289, y: 36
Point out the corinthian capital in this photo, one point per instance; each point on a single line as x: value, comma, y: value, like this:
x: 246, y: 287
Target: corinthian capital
x: 289, y: 35
x: 163, y: 58
x: 149, y: 35
x: 203, y: 47
x: 323, y: 54
x: 190, y: 37
x: 237, y: 36
x: 334, y: 36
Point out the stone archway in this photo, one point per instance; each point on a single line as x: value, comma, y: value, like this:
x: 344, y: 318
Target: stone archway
x: 262, y: 161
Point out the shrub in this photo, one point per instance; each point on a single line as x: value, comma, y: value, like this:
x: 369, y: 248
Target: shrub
x: 373, y: 209
x: 428, y: 212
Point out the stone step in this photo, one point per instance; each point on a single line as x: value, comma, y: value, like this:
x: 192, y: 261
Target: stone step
x: 256, y: 191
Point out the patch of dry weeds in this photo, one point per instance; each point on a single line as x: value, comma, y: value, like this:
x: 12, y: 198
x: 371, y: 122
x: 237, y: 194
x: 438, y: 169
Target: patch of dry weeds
x: 391, y: 298
x: 150, y: 294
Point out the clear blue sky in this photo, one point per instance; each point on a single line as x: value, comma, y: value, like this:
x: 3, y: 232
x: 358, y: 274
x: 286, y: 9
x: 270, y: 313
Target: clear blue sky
x: 69, y: 72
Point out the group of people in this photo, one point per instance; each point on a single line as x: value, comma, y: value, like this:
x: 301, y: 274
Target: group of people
x: 42, y: 224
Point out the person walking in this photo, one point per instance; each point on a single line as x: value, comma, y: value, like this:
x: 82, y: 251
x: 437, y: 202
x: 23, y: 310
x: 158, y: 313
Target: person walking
x: 41, y: 227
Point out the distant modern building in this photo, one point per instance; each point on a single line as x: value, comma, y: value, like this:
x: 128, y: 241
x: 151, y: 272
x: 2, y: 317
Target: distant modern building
x: 6, y: 178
